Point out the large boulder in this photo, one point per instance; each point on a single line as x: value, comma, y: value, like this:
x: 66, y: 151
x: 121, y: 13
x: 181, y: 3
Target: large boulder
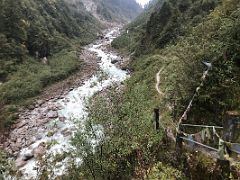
x: 52, y: 114
x: 20, y: 162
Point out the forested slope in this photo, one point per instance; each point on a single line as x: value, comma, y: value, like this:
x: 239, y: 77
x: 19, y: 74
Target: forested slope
x: 33, y: 30
x: 118, y: 10
x: 178, y: 36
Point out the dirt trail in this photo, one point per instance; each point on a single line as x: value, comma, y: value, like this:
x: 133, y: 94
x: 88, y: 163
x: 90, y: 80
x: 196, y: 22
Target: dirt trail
x: 157, y: 86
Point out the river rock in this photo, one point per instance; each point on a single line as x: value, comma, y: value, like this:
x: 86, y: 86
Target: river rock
x: 62, y: 119
x: 22, y: 131
x: 27, y: 156
x: 21, y: 124
x: 40, y: 150
x: 13, y: 136
x: 38, y: 137
x: 40, y: 102
x: 99, y: 60
x: 66, y: 132
x: 20, y: 163
x: 114, y: 61
x: 31, y: 107
x: 52, y: 114
x: 30, y: 142
x: 6, y: 144
x: 41, y: 121
x: 15, y: 146
x: 9, y: 150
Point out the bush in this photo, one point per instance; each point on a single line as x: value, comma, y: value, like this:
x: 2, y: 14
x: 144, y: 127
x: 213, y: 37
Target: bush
x: 30, y: 79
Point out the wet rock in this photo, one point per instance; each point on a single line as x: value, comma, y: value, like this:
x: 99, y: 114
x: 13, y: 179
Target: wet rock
x: 114, y: 61
x: 27, y: 157
x: 29, y: 142
x: 62, y: 119
x: 124, y: 68
x: 20, y: 163
x: 52, y: 114
x: 66, y: 132
x: 61, y: 97
x: 99, y: 59
x: 40, y: 150
x: 38, y: 137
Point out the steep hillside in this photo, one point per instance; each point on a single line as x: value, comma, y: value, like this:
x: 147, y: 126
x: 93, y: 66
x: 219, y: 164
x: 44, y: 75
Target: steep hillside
x: 178, y: 36
x: 164, y: 21
x: 41, y: 28
x: 174, y: 41
x: 132, y: 37
x: 113, y: 10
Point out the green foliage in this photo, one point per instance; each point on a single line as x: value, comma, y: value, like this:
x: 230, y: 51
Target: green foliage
x: 41, y: 28
x: 31, y: 77
x: 136, y: 29
x: 118, y: 10
x: 161, y: 171
x: 129, y: 135
x: 214, y: 38
x: 176, y: 38
x: 5, y: 165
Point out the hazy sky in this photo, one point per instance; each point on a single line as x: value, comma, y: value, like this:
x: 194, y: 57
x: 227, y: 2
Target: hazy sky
x: 142, y: 2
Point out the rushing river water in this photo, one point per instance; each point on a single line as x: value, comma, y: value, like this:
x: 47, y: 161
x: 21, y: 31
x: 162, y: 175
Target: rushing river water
x: 73, y: 109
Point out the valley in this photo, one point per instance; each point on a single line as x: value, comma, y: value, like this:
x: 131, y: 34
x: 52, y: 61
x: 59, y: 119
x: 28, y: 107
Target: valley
x: 104, y: 89
x: 46, y: 131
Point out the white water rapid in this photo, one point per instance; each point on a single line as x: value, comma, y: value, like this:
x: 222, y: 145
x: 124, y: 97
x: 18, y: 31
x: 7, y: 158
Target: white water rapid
x: 73, y: 109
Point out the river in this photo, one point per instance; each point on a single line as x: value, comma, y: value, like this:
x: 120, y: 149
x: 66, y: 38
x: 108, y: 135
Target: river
x: 55, y: 136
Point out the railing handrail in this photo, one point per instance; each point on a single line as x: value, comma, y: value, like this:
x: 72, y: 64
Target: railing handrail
x: 206, y: 126
x: 186, y: 139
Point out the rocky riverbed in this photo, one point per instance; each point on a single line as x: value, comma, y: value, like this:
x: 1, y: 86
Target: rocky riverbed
x: 46, y: 128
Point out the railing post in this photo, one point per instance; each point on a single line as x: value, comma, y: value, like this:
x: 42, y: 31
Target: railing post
x: 157, y: 119
x: 232, y: 127
x: 179, y: 145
